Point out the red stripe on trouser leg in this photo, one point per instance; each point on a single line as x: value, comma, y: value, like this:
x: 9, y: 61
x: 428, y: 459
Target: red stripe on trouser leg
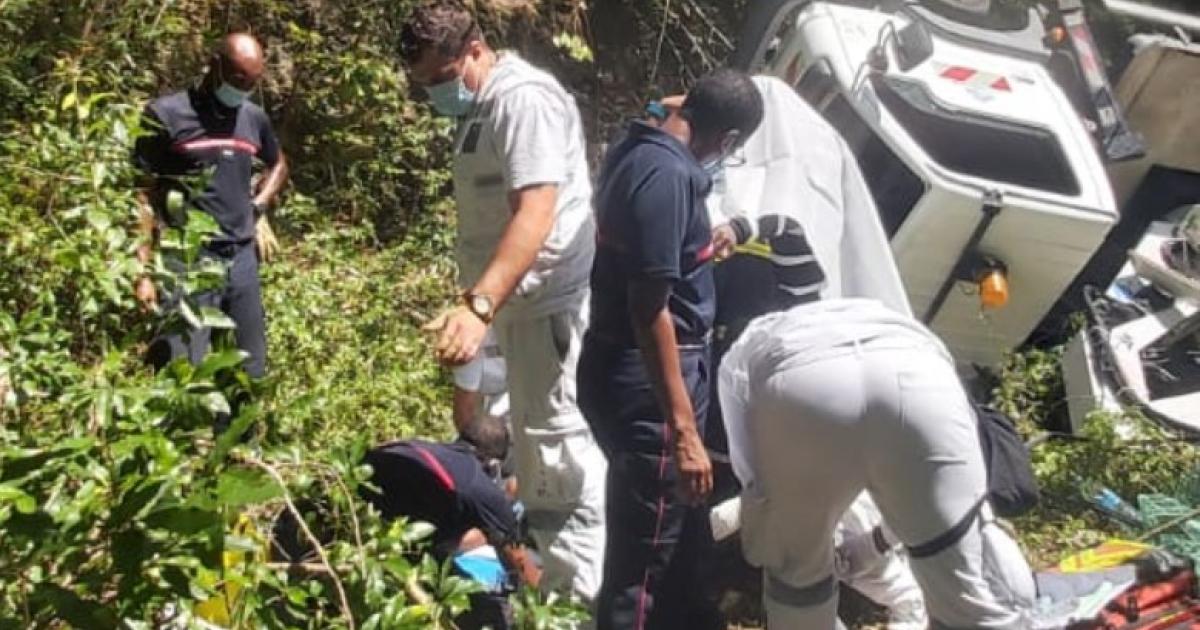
x: 658, y: 523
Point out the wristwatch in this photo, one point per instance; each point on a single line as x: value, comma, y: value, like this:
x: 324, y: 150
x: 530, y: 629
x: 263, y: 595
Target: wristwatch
x: 481, y: 305
x: 258, y: 208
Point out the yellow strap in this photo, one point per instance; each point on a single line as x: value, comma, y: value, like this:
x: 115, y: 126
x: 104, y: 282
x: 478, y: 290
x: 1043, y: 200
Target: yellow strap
x: 754, y: 248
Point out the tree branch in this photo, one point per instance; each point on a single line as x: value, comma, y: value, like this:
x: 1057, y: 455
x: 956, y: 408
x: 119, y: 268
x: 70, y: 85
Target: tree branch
x: 287, y: 499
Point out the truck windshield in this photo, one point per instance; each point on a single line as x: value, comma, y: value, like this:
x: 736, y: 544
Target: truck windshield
x: 978, y: 145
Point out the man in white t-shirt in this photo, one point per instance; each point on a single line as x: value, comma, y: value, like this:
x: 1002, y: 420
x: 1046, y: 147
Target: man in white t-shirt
x: 525, y: 244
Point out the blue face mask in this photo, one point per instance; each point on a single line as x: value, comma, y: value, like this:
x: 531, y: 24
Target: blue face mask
x: 451, y: 98
x: 230, y: 96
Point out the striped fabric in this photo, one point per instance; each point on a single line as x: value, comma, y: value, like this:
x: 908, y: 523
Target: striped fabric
x: 798, y: 275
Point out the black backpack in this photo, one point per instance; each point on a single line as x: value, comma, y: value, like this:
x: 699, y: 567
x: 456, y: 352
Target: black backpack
x: 1012, y: 486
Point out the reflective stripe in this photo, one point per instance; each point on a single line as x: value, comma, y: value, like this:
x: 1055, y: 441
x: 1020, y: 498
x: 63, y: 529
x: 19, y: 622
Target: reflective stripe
x: 204, y: 144
x: 788, y: 261
x: 812, y: 595
x: 807, y: 290
x: 973, y: 77
x: 436, y: 467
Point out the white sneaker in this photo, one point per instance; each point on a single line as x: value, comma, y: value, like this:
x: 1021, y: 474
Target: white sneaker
x: 908, y: 615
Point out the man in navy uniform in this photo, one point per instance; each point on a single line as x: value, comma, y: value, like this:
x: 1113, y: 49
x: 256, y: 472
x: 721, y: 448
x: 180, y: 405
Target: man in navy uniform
x: 213, y: 132
x: 643, y: 374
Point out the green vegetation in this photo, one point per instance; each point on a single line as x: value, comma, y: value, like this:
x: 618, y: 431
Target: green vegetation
x: 118, y: 505
x: 1152, y: 461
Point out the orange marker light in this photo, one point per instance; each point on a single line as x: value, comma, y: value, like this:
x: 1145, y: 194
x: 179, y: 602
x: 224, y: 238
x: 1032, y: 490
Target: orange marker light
x: 993, y: 289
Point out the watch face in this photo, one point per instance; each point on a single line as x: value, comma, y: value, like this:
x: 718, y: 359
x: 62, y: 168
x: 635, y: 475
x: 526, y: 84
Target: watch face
x: 481, y: 305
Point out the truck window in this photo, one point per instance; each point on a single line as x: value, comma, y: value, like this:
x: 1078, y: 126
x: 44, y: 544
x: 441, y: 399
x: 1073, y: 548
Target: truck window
x: 894, y: 186
x: 973, y: 144
x: 817, y: 86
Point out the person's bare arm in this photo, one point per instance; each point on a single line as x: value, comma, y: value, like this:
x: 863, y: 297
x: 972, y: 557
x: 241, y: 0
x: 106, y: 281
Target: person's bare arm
x: 516, y: 559
x: 467, y: 404
x: 272, y: 182
x: 461, y: 331
x: 144, y: 289
x: 655, y: 332
x: 472, y: 540
x: 532, y: 220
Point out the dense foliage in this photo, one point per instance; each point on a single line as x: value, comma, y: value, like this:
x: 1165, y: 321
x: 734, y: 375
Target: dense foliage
x: 119, y: 507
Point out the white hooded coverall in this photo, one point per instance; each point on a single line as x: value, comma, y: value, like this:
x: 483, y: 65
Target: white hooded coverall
x: 525, y: 130
x: 797, y: 165
x: 835, y: 397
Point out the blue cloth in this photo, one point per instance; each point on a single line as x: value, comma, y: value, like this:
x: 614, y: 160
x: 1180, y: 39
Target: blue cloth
x: 483, y: 569
x: 652, y: 223
x: 240, y: 298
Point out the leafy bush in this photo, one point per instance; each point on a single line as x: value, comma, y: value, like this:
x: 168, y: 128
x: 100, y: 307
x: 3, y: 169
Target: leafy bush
x: 1152, y: 461
x: 119, y: 506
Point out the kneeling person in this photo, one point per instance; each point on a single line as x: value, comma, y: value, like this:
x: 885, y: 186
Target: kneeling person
x: 457, y: 488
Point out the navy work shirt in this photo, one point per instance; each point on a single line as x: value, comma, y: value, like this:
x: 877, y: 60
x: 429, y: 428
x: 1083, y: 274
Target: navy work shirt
x: 652, y: 223
x: 199, y: 146
x: 444, y: 485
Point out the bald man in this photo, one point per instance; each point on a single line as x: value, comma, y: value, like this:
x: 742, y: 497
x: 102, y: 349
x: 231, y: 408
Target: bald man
x: 200, y: 150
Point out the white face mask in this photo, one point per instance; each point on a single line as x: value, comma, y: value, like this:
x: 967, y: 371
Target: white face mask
x: 230, y: 96
x: 714, y: 166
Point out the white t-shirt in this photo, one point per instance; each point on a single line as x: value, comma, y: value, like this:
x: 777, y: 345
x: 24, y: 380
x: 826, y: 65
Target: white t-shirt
x: 524, y: 130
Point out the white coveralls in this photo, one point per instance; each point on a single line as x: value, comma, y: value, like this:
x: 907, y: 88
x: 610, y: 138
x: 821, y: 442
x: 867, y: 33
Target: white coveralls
x: 525, y: 130
x: 797, y: 165
x: 835, y: 397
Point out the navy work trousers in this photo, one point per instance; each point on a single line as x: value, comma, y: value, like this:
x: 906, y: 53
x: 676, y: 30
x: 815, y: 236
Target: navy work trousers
x: 651, y: 528
x: 240, y: 298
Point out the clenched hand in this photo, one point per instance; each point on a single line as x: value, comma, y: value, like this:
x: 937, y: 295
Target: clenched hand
x: 459, y: 335
x: 695, y: 469
x: 724, y: 241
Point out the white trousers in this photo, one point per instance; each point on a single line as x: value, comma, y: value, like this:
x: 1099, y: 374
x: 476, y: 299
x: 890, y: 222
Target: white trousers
x: 560, y: 468
x: 889, y: 581
x: 886, y: 415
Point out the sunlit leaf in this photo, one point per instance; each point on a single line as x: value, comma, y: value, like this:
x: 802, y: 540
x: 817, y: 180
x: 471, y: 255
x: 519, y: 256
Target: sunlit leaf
x: 213, y: 318
x: 242, y: 486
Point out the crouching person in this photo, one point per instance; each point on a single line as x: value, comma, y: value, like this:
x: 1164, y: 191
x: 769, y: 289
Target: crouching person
x: 829, y: 398
x: 456, y: 487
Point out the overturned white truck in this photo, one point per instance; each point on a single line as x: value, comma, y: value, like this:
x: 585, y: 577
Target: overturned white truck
x: 983, y: 133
